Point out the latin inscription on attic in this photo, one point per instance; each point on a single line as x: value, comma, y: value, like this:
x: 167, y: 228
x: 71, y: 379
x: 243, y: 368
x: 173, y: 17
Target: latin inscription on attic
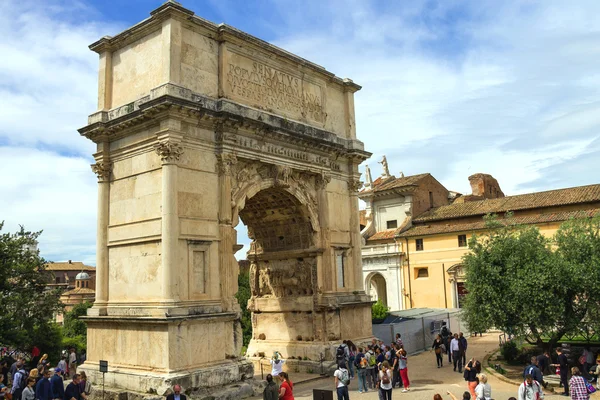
x: 270, y: 88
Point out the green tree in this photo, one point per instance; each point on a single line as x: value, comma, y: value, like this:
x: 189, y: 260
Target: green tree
x: 27, y: 307
x: 379, y: 310
x: 73, y: 325
x: 243, y: 295
x: 522, y: 282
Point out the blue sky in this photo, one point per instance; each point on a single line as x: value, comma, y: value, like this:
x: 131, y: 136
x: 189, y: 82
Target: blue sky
x: 450, y: 87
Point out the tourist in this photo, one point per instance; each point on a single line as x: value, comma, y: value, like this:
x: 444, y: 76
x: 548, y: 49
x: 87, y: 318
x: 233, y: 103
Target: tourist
x: 57, y: 385
x: 28, y: 391
x: 341, y: 379
x: 385, y: 381
x: 577, y: 384
x: 594, y: 372
x: 43, y: 389
x: 465, y: 396
x: 276, y: 364
x: 437, y: 396
x: 82, y: 357
x: 456, y: 356
x: 380, y: 357
x: 563, y: 364
x: 543, y: 362
x: 43, y: 364
x: 438, y: 347
x: 371, y: 368
x: 4, y: 372
x: 19, y: 381
x: 285, y: 389
x: 472, y: 368
x: 530, y: 389
x: 72, y: 391
x: 176, y: 395
x: 534, y: 371
x: 589, y: 361
x: 361, y: 363
x: 353, y: 351
x: 85, y: 386
x: 14, y: 368
x: 483, y: 391
x: 72, y: 362
x: 271, y: 391
x: 403, y: 367
x: 399, y: 340
x: 3, y: 387
x: 446, y: 337
x: 392, y: 360
x: 463, y: 347
x: 62, y: 365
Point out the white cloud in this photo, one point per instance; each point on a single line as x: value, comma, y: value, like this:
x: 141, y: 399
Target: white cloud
x: 452, y: 88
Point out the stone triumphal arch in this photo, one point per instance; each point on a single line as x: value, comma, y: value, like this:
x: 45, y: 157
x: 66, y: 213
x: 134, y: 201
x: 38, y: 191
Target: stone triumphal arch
x: 200, y: 126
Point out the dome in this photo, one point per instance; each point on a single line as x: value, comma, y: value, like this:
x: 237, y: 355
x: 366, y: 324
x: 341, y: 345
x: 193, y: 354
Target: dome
x: 82, y: 276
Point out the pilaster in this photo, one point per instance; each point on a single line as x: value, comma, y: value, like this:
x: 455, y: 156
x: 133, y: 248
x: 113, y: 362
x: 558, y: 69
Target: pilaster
x: 169, y: 149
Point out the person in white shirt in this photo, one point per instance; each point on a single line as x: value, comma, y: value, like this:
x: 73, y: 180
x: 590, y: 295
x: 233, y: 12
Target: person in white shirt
x: 483, y: 390
x: 342, y: 380
x: 276, y: 364
x: 456, y: 356
x: 530, y: 389
x: 385, y: 381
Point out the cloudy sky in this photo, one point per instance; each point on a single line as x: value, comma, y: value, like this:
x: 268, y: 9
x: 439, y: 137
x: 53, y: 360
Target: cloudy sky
x: 510, y: 88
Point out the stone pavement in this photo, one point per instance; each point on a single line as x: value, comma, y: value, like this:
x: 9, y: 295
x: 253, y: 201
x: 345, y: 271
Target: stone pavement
x: 426, y: 379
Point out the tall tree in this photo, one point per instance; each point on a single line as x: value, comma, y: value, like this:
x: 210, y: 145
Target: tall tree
x: 529, y: 285
x: 27, y: 307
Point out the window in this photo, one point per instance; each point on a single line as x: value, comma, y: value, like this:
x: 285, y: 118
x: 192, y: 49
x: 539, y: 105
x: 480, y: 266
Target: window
x: 430, y: 199
x: 419, y: 244
x: 339, y: 259
x: 462, y: 240
x: 392, y: 224
x: 57, y: 279
x: 422, y: 273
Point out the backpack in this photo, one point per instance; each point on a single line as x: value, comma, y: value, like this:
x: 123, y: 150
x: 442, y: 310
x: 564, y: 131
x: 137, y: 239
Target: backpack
x: 345, y: 379
x: 385, y: 379
x: 372, y: 360
x: 340, y: 354
x: 363, y: 362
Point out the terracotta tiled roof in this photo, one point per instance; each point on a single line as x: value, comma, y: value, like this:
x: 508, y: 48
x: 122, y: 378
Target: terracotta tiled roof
x: 79, y: 291
x: 389, y: 234
x: 424, y: 230
x: 66, y: 266
x: 551, y: 198
x: 396, y: 183
x: 380, y: 184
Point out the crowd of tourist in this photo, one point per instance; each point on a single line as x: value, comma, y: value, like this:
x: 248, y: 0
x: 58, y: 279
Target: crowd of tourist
x: 383, y: 367
x: 37, y: 380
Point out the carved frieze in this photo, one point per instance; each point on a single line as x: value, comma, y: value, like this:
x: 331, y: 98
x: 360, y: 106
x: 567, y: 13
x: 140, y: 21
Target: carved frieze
x: 282, y: 278
x: 102, y: 169
x: 169, y: 151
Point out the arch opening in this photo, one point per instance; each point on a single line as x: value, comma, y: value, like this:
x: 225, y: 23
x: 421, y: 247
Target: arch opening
x: 377, y: 288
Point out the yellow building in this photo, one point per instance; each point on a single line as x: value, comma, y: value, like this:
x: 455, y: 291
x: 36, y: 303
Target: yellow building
x: 437, y: 239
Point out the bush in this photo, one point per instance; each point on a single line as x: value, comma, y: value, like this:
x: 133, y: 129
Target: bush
x: 379, y: 311
x: 509, y: 351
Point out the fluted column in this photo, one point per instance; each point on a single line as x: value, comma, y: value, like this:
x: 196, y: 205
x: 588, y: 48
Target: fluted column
x: 169, y: 151
x: 103, y: 170
x: 228, y: 268
x: 327, y: 272
x: 356, y: 241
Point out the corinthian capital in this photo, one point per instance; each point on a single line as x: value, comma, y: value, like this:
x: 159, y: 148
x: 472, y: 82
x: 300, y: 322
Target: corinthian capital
x: 226, y: 163
x: 354, y: 185
x: 168, y: 151
x: 321, y: 181
x: 102, y: 169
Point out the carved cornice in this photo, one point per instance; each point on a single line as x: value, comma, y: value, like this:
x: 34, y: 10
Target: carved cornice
x: 168, y: 151
x: 226, y: 163
x: 103, y: 170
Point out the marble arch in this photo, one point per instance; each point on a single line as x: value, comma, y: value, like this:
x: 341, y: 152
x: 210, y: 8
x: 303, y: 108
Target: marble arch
x: 199, y: 125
